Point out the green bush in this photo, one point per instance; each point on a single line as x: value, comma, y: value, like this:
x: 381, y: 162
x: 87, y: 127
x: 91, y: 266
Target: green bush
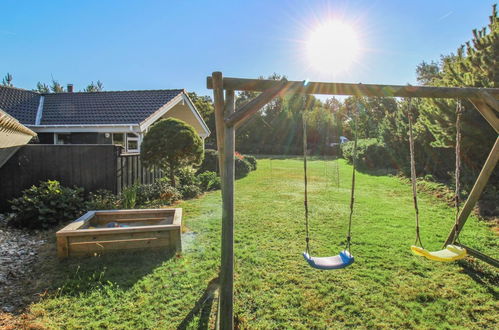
x: 172, y: 144
x: 189, y: 191
x: 187, y: 177
x: 209, y: 181
x: 103, y: 199
x: 46, y: 205
x: 251, y: 160
x: 242, y: 167
x: 160, y: 190
x: 210, y: 161
x: 370, y: 153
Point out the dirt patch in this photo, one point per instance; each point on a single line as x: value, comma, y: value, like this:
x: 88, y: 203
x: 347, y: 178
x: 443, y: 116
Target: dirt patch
x: 24, y: 258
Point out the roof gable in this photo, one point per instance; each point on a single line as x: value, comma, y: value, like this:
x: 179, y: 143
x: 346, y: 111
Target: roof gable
x: 19, y: 103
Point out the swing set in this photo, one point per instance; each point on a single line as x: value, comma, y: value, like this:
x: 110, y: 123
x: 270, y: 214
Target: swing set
x: 228, y: 119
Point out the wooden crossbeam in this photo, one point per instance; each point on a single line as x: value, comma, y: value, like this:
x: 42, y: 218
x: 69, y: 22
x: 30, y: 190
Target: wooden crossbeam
x: 247, y: 110
x: 326, y: 88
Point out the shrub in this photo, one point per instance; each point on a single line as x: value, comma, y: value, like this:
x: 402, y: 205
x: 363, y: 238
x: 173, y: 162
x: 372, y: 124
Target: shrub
x: 189, y: 191
x: 171, y: 144
x: 252, y: 161
x: 210, y: 161
x: 242, y: 167
x: 103, y: 199
x: 158, y: 190
x: 129, y: 197
x: 370, y: 153
x: 187, y: 177
x: 169, y: 194
x: 46, y: 205
x: 209, y: 181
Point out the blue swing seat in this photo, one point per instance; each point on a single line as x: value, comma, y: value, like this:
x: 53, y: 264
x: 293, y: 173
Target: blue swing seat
x: 344, y: 259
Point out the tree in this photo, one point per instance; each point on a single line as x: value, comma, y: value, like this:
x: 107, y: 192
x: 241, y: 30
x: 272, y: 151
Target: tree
x: 475, y: 65
x: 205, y: 107
x: 56, y: 87
x: 42, y: 88
x: 94, y: 87
x: 426, y: 72
x: 7, y: 80
x: 172, y: 144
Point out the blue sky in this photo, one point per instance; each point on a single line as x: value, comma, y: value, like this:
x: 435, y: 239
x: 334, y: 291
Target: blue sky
x: 176, y: 44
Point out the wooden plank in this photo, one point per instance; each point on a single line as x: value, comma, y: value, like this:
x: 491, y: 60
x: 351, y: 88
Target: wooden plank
x: 62, y: 246
x: 246, y: 111
x: 132, y: 219
x: 218, y: 101
x: 98, y: 231
x: 114, y: 241
x: 490, y: 100
x: 114, y: 237
x: 476, y: 191
x: 487, y: 112
x: 91, y: 248
x: 329, y: 88
x: 227, y: 262
x: 479, y: 255
x: 168, y: 211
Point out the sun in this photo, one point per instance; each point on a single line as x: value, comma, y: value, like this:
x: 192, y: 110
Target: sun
x: 332, y: 47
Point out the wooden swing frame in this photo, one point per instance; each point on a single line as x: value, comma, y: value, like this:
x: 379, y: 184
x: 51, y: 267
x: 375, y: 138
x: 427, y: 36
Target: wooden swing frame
x: 227, y: 119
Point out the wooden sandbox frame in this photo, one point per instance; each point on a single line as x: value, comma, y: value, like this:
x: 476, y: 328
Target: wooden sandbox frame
x: 77, y: 240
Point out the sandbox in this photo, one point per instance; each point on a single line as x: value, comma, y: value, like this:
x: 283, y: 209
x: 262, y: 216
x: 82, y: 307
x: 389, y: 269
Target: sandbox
x: 98, y: 232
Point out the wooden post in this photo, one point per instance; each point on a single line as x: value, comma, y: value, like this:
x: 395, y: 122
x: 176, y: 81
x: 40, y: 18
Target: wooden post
x: 218, y: 100
x: 475, y: 193
x: 227, y: 264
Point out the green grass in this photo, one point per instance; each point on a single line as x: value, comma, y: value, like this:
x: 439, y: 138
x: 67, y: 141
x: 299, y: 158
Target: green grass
x: 274, y: 288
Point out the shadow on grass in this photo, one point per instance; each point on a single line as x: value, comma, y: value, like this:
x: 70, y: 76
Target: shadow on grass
x: 71, y: 277
x: 202, y: 307
x: 482, y: 275
x: 124, y: 270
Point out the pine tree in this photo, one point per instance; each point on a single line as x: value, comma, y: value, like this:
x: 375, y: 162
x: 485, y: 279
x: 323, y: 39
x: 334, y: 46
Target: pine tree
x: 7, y: 80
x: 474, y: 64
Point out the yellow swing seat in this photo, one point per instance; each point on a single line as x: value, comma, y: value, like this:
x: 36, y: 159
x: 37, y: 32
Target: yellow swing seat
x: 449, y: 254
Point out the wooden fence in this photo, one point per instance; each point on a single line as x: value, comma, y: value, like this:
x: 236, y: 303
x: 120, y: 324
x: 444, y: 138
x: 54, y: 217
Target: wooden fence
x: 93, y: 167
x: 131, y: 171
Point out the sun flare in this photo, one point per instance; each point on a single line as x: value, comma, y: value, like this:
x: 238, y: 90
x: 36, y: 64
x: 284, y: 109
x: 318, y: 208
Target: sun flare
x: 332, y: 47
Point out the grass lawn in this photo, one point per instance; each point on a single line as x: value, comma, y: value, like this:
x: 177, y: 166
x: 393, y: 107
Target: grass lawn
x: 274, y: 287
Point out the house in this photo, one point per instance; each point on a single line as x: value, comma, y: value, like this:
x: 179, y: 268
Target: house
x: 114, y: 117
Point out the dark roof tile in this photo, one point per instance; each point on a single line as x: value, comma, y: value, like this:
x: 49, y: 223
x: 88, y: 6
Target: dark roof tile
x: 20, y: 104
x: 121, y: 107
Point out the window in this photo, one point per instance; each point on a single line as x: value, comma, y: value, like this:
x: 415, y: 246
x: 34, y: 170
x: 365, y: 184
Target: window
x: 132, y: 142
x: 62, y: 138
x: 119, y: 139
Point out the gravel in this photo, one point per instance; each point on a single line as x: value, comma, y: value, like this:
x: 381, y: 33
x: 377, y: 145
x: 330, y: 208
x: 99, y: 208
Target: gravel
x: 19, y: 253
